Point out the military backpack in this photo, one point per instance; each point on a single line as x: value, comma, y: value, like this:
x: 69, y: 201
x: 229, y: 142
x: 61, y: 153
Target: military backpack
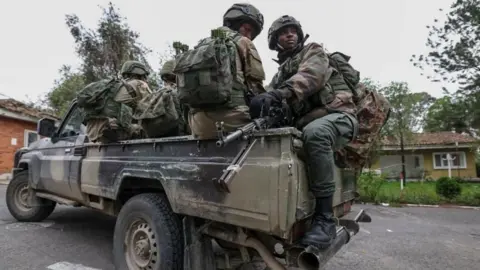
x: 160, y: 114
x: 206, y: 75
x: 97, y: 101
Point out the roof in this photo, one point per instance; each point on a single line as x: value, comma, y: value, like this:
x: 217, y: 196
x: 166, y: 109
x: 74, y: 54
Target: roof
x: 15, y: 106
x: 432, y: 138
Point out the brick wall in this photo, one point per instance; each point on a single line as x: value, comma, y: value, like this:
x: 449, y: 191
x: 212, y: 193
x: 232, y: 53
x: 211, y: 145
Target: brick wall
x: 11, y: 128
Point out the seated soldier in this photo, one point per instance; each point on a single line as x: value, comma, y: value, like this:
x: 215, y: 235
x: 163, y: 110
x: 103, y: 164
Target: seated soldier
x: 132, y: 89
x: 317, y: 92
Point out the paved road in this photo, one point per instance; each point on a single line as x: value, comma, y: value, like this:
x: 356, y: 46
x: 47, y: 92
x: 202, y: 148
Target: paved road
x: 398, y: 238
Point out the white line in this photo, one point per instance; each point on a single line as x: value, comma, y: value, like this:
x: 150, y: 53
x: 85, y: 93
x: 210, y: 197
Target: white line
x: 69, y: 266
x: 365, y: 231
x: 388, y: 230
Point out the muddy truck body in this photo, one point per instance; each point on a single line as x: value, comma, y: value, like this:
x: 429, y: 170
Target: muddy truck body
x: 183, y: 203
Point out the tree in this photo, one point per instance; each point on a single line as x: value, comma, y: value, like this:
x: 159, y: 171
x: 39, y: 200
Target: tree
x: 454, y: 55
x: 446, y: 114
x: 407, y: 113
x: 104, y: 50
x: 65, y: 89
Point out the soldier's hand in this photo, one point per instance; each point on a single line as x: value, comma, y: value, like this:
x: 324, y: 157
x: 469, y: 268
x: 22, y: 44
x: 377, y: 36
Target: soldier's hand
x: 260, y: 105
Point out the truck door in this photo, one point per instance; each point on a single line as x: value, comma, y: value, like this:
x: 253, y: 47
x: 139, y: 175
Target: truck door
x: 57, y: 160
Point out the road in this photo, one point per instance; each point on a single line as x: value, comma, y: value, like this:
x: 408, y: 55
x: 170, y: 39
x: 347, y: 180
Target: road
x: 398, y: 238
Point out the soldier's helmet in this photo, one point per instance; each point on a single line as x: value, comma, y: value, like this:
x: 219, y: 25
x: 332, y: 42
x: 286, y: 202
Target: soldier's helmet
x: 134, y: 67
x: 167, y: 68
x: 280, y: 23
x: 247, y: 12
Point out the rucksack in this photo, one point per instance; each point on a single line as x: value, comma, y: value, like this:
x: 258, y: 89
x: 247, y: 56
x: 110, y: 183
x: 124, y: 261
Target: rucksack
x: 159, y: 114
x: 350, y: 75
x: 97, y: 101
x: 207, y: 73
x: 373, y: 111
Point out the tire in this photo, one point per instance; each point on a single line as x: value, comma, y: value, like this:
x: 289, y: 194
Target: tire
x: 16, y: 201
x: 148, y: 221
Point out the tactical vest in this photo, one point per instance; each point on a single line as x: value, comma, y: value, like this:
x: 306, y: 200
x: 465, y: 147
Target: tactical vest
x: 336, y: 83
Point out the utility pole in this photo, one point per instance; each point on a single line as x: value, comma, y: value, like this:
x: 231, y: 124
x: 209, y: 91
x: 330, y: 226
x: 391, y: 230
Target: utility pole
x: 402, y: 152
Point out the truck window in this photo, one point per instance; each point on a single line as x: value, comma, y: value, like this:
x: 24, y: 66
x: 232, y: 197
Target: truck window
x: 73, y: 124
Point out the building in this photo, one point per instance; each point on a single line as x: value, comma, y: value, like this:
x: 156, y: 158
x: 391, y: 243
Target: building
x: 18, y: 125
x: 426, y: 156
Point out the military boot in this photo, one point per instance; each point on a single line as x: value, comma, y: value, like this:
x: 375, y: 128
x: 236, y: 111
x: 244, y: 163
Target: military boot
x: 323, y: 230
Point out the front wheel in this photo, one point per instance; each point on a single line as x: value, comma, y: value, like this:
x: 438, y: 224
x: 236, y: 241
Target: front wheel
x: 17, y: 201
x: 148, y: 235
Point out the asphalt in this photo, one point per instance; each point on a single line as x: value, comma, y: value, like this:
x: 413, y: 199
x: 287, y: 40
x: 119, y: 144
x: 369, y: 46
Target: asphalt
x: 397, y: 238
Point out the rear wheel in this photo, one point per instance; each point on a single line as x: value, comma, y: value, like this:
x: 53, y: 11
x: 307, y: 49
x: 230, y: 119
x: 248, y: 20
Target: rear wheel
x: 17, y: 201
x: 148, y: 235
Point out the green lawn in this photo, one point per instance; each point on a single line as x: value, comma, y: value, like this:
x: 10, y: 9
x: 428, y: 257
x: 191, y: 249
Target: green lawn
x: 422, y: 193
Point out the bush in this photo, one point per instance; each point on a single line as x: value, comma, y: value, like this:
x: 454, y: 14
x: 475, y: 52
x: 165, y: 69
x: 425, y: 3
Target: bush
x: 369, y: 184
x: 448, y: 187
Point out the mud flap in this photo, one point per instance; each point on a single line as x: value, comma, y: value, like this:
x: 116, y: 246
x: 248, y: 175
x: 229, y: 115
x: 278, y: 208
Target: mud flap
x: 311, y: 258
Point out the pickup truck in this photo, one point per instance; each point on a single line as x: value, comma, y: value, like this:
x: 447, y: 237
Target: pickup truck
x: 184, y: 203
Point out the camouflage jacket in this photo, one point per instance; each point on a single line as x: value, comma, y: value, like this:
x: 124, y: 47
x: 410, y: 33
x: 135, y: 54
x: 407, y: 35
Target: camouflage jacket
x: 249, y: 64
x: 304, y: 78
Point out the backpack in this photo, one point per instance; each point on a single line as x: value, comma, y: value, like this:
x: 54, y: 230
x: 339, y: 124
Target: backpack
x: 373, y: 111
x: 159, y: 114
x: 207, y: 73
x: 97, y: 101
x: 351, y: 76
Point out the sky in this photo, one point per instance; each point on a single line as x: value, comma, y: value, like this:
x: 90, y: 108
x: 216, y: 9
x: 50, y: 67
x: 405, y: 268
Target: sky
x: 379, y: 35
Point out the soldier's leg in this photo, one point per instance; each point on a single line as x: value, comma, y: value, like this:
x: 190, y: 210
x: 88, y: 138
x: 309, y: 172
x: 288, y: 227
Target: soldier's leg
x: 321, y: 137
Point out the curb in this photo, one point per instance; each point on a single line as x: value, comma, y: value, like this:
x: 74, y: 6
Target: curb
x: 429, y: 205
x: 4, y: 182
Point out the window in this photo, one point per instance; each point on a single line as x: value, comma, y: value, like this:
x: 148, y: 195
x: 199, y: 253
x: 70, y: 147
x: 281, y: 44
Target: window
x: 29, y: 137
x: 458, y: 160
x: 73, y: 124
x: 417, y: 161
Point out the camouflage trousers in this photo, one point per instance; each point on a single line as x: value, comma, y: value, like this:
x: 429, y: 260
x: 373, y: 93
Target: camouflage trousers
x: 321, y: 138
x: 202, y: 123
x: 107, y: 131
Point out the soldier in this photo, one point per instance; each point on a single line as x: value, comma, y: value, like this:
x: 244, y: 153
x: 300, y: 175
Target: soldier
x: 245, y: 22
x: 322, y: 105
x: 167, y: 75
x: 135, y: 75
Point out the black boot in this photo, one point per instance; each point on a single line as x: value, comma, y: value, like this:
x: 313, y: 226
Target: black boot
x: 323, y: 230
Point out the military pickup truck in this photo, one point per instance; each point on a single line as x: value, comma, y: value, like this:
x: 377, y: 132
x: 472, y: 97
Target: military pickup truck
x: 183, y: 203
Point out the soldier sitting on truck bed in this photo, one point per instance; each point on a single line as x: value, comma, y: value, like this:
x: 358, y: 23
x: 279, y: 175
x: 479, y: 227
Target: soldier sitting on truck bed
x: 322, y: 104
x: 222, y: 96
x: 108, y: 104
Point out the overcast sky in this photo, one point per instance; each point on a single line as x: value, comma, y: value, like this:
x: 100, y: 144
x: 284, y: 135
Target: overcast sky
x: 379, y: 35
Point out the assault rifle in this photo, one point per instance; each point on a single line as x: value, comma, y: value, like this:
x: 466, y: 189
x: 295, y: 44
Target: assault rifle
x: 276, y: 118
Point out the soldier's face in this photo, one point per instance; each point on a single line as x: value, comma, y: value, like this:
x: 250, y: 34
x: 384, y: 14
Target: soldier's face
x: 288, y: 37
x: 246, y: 30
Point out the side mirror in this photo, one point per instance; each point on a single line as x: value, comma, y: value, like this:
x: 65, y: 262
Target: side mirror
x: 46, y: 127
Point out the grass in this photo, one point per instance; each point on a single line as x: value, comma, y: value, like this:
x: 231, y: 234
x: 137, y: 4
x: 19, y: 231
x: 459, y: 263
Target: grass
x: 422, y: 193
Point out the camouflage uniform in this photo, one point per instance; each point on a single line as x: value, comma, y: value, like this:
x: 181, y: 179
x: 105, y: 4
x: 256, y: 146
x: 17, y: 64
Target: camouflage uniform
x: 130, y: 69
x: 249, y: 72
x: 323, y: 106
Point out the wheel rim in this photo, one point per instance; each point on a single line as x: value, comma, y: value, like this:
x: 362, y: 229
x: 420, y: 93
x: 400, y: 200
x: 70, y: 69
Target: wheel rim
x: 140, y: 245
x: 21, y: 198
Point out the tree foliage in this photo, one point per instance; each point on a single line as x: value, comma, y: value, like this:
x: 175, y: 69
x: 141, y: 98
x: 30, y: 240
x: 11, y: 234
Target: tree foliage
x: 408, y: 109
x: 454, y: 47
x: 65, y: 89
x: 447, y: 114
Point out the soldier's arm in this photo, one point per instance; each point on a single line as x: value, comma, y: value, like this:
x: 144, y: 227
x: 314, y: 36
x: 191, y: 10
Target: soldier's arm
x: 312, y: 75
x: 253, y: 66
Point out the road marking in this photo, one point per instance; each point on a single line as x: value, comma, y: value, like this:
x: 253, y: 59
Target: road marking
x: 388, y: 230
x: 69, y: 266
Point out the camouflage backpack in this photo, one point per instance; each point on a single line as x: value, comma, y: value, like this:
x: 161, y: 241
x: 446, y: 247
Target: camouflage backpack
x: 351, y: 76
x: 160, y: 115
x: 97, y: 101
x: 207, y: 74
x: 373, y: 110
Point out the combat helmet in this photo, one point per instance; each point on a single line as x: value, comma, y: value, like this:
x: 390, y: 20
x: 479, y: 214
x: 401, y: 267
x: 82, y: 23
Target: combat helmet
x: 278, y: 24
x: 167, y: 68
x: 244, y: 11
x: 134, y: 67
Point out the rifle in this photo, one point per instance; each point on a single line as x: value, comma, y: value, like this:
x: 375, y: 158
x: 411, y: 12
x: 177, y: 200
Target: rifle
x: 276, y: 117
